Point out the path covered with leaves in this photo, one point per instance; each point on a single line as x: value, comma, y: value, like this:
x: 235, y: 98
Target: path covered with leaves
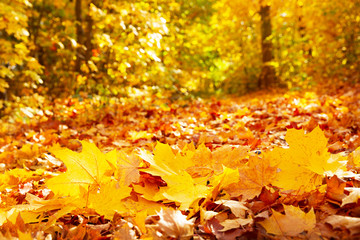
x: 267, y: 167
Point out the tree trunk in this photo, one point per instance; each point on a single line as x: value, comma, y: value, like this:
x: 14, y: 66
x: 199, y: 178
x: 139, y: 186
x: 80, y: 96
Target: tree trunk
x: 307, y: 51
x: 79, y: 35
x: 89, y: 35
x: 267, y: 77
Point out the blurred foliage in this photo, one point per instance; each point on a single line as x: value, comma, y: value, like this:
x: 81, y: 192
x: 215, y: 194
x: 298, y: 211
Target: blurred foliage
x: 176, y: 46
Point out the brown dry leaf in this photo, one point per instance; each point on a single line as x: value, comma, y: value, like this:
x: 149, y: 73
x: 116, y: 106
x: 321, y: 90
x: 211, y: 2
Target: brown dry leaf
x: 125, y: 231
x: 350, y: 223
x: 214, y: 227
x: 236, y: 223
x: 353, y: 197
x: 241, y: 213
x: 202, y: 156
x: 170, y: 223
x: 236, y: 207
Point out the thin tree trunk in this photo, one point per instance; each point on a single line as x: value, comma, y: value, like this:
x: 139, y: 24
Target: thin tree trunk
x: 307, y: 51
x: 79, y: 35
x: 267, y: 77
x: 89, y: 35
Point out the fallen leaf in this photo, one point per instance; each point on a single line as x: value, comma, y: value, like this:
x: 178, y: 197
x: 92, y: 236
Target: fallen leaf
x: 303, y: 165
x: 292, y: 223
x: 183, y: 189
x: 83, y: 169
x: 126, y: 166
x: 170, y: 223
x: 350, y: 223
x: 237, y: 223
x: 236, y: 207
x: 165, y: 162
x: 253, y: 176
x: 108, y: 199
x: 353, y: 197
x: 335, y: 188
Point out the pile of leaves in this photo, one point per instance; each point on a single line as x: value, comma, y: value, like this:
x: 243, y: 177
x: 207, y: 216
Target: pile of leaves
x: 266, y: 167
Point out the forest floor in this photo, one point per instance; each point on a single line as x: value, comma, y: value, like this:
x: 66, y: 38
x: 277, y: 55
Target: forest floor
x: 264, y: 166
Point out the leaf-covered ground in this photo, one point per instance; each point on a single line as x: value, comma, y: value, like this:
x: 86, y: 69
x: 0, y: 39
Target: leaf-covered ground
x: 262, y: 166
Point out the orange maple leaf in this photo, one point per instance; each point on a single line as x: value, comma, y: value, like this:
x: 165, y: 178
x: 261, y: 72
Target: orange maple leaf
x: 253, y: 176
x: 294, y: 222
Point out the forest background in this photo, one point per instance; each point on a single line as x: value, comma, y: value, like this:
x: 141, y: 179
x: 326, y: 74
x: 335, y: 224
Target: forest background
x: 109, y: 48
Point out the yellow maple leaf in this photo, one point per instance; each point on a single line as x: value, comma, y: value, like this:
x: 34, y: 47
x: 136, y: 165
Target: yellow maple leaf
x: 24, y: 235
x: 38, y: 209
x: 303, y: 165
x: 139, y: 220
x: 83, y: 169
x: 134, y: 135
x: 150, y: 191
x: 3, y: 217
x: 183, y: 189
x: 40, y: 206
x: 165, y: 162
x: 219, y: 182
x: 142, y: 204
x: 294, y: 222
x: 108, y: 199
x: 13, y: 177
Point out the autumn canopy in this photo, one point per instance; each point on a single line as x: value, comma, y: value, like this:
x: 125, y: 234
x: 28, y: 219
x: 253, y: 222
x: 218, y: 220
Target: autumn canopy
x: 174, y: 119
